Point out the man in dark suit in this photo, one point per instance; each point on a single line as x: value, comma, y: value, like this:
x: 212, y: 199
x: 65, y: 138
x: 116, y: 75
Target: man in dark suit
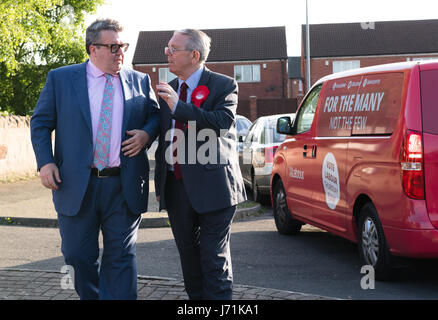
x: 199, y: 183
x: 103, y: 116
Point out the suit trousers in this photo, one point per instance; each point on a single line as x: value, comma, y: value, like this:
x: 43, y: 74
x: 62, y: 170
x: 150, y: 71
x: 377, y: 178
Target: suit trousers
x: 103, y: 209
x: 203, y: 242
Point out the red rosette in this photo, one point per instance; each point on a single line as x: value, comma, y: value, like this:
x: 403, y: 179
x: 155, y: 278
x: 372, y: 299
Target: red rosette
x: 199, y: 95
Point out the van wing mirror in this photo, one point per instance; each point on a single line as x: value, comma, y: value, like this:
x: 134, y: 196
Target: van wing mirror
x: 284, y: 125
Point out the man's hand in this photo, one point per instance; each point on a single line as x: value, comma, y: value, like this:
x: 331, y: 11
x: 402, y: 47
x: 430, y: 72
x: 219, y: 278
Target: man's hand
x: 133, y: 145
x: 48, y: 174
x: 169, y: 95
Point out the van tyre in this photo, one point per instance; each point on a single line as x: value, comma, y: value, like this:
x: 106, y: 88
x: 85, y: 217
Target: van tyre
x: 283, y: 221
x: 373, y: 248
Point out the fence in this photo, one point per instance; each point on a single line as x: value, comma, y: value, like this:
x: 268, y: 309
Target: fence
x: 16, y: 153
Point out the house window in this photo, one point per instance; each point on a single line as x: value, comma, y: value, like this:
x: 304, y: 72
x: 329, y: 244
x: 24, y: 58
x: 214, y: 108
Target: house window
x: 164, y: 75
x: 247, y: 73
x: 345, y: 65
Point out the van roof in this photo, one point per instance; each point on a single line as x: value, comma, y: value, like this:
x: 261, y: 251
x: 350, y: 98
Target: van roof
x: 398, y: 66
x: 275, y: 116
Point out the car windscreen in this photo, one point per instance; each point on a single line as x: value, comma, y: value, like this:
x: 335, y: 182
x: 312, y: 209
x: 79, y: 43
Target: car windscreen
x: 242, y: 125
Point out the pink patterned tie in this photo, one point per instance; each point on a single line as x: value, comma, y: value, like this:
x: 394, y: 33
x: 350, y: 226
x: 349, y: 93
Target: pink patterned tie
x: 103, y: 138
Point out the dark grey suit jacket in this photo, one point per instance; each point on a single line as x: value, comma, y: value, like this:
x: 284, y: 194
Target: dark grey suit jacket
x: 217, y: 184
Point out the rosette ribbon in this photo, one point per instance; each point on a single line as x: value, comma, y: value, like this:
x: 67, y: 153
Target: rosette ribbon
x: 199, y: 95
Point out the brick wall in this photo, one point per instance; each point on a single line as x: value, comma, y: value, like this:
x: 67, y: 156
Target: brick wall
x: 16, y: 153
x: 273, y: 75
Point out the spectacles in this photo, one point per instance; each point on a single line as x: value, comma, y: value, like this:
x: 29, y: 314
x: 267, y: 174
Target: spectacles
x: 114, y: 47
x: 171, y: 50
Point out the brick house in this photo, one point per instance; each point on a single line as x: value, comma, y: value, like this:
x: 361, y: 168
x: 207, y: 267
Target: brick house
x: 255, y: 57
x: 343, y: 46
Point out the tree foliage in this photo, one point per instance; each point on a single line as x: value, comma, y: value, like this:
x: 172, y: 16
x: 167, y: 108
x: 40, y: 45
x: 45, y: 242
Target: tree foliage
x: 36, y: 36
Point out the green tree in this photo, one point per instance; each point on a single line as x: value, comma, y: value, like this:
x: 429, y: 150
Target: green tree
x: 36, y: 36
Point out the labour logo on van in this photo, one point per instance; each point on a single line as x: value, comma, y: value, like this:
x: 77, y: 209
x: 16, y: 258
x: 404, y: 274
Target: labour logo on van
x: 330, y: 180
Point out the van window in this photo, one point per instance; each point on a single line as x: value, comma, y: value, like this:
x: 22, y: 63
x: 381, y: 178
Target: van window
x: 429, y: 100
x: 361, y: 105
x: 337, y: 105
x: 306, y: 113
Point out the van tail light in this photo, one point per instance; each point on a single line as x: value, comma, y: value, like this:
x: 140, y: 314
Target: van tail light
x: 411, y: 162
x: 270, y: 154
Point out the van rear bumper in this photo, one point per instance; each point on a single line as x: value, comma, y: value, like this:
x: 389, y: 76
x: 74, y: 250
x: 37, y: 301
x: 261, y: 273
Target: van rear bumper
x: 412, y: 243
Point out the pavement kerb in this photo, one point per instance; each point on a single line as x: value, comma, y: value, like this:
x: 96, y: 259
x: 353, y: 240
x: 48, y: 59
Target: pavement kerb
x: 149, y: 219
x: 31, y: 284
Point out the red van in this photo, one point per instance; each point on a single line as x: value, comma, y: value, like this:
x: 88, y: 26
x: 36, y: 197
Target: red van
x: 361, y: 161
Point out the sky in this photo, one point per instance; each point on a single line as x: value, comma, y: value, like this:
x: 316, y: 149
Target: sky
x: 143, y: 15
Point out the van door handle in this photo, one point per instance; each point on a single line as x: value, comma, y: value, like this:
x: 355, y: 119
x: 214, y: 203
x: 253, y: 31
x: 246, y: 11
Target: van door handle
x: 307, y: 148
x: 305, y: 151
x: 314, y: 151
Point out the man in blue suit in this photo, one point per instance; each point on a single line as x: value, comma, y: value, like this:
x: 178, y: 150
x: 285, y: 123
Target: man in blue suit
x: 103, y: 116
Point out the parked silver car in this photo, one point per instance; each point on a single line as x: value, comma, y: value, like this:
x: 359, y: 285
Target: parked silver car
x: 256, y: 157
x: 242, y: 126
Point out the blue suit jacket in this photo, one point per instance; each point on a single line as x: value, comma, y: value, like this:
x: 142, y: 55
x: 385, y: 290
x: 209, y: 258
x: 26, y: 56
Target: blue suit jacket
x: 64, y: 106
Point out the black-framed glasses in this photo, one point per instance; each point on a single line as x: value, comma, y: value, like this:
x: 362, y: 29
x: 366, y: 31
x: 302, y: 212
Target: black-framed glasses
x: 114, y: 47
x: 171, y: 50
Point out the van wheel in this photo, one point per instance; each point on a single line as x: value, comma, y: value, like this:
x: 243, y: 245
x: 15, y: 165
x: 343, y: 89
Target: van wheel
x: 283, y: 221
x: 373, y: 248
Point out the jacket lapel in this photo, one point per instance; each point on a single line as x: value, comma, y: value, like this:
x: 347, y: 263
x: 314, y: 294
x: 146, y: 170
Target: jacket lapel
x: 81, y: 88
x: 167, y: 116
x: 174, y: 85
x: 126, y: 83
x: 203, y: 81
x: 205, y: 77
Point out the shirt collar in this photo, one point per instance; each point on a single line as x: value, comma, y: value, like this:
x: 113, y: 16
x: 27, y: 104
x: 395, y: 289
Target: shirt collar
x: 95, y: 72
x: 193, y: 80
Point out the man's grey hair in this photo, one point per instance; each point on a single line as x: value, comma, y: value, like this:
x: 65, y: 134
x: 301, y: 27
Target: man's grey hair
x: 198, y: 41
x: 92, y: 34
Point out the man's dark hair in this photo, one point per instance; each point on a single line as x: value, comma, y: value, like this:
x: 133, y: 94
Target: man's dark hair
x: 92, y: 34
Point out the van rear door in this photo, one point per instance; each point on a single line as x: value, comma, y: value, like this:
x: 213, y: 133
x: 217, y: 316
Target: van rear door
x: 429, y: 102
